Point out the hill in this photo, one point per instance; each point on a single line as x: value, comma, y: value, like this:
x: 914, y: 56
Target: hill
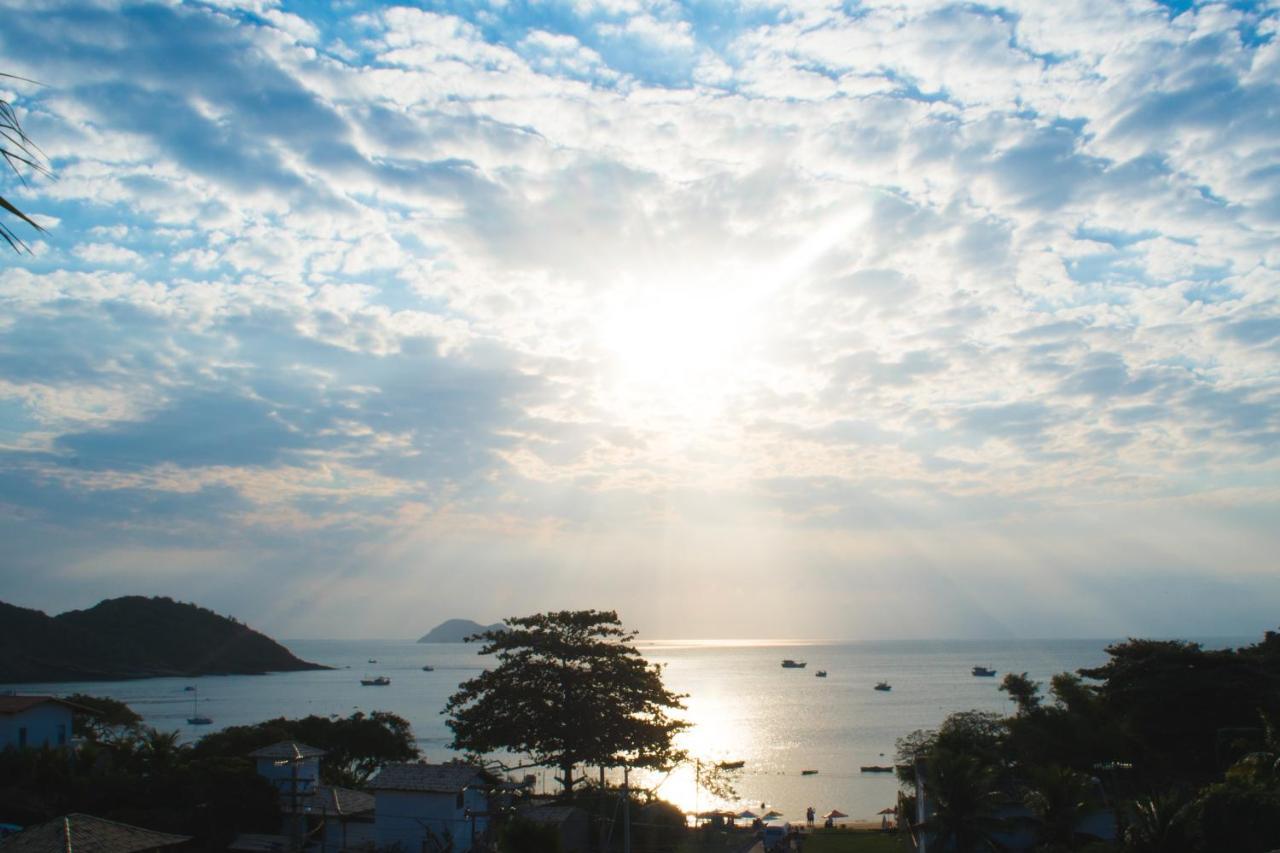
x: 457, y: 630
x: 133, y: 637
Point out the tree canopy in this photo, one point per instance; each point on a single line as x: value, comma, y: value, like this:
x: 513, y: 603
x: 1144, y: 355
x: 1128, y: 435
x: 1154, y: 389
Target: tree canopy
x: 1181, y: 741
x: 569, y: 689
x: 355, y: 746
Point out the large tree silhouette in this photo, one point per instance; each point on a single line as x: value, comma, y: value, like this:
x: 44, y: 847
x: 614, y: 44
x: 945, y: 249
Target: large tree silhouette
x: 569, y: 690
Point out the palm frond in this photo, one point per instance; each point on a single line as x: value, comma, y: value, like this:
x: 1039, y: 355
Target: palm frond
x: 18, y: 150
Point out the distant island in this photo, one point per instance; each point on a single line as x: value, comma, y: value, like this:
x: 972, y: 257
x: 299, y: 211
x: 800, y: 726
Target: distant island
x: 457, y: 630
x: 134, y: 637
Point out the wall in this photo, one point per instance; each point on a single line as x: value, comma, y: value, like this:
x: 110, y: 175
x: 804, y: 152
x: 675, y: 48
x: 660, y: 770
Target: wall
x: 41, y: 723
x: 406, y: 817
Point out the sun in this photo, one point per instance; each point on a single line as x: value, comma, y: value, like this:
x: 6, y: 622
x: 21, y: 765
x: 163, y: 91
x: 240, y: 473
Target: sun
x: 678, y: 349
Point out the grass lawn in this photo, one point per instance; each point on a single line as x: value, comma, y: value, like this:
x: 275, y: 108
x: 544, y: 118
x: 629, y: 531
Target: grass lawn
x: 847, y: 841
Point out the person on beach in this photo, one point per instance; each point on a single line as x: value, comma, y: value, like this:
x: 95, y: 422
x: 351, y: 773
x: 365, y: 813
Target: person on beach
x: 809, y: 815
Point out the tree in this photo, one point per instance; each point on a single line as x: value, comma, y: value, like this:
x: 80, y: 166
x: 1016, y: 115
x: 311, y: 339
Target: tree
x: 17, y: 149
x: 569, y: 689
x: 102, y: 716
x: 1160, y: 823
x: 1060, y: 799
x: 1024, y: 692
x: 965, y: 799
x: 355, y: 746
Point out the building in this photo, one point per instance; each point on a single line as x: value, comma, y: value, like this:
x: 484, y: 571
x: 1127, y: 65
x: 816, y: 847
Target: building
x: 292, y: 767
x: 340, y: 818
x: 34, y: 722
x: 82, y: 833
x: 431, y: 808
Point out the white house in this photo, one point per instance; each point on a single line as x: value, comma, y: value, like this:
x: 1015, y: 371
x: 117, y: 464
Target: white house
x: 34, y: 722
x: 292, y: 767
x: 429, y: 808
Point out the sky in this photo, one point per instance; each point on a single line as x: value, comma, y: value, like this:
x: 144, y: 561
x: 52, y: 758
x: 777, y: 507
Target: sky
x: 826, y: 320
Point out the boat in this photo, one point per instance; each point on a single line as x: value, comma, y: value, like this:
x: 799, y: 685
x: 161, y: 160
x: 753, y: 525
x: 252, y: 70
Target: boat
x: 731, y: 765
x: 196, y: 718
x: 428, y: 668
x: 822, y: 673
x: 373, y: 660
x: 376, y: 681
x: 883, y: 685
x: 983, y: 672
x: 808, y: 772
x: 793, y: 664
x: 876, y: 768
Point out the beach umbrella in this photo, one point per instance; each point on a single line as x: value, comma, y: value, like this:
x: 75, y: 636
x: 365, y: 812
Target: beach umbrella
x: 834, y: 813
x: 890, y: 810
x: 748, y: 814
x: 771, y: 814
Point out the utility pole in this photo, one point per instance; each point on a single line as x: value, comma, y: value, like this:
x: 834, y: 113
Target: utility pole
x: 295, y: 814
x: 626, y: 810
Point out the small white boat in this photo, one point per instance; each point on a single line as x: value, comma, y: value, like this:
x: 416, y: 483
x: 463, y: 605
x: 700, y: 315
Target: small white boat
x: 375, y: 681
x: 196, y: 718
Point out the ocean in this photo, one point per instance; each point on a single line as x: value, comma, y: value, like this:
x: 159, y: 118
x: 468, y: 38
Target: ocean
x: 742, y: 704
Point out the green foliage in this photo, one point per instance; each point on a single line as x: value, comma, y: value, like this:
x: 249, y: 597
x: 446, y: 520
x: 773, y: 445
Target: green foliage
x: 966, y: 800
x: 1242, y: 817
x: 105, y: 716
x: 719, y: 779
x: 569, y: 689
x: 656, y: 826
x: 1160, y: 823
x: 1059, y: 799
x: 525, y: 836
x: 1173, y: 698
x: 144, y: 779
x: 1165, y: 716
x: 355, y: 746
x: 845, y: 841
x: 132, y: 637
x: 1024, y: 692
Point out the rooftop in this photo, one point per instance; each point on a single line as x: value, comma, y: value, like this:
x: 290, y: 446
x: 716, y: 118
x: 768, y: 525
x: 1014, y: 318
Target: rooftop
x: 18, y: 704
x: 435, y: 778
x: 290, y: 749
x: 337, y: 801
x: 82, y: 833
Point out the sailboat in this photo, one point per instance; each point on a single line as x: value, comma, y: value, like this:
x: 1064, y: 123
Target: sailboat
x: 196, y: 718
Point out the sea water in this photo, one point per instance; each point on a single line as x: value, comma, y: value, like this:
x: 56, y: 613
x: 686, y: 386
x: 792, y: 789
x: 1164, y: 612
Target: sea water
x: 741, y: 703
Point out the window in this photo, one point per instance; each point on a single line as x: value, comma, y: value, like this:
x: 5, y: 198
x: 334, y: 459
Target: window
x: 62, y: 734
x: 22, y: 736
x: 458, y: 801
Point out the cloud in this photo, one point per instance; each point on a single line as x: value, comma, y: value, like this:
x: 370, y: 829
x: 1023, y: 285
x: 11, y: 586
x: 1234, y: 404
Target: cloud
x: 515, y: 293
